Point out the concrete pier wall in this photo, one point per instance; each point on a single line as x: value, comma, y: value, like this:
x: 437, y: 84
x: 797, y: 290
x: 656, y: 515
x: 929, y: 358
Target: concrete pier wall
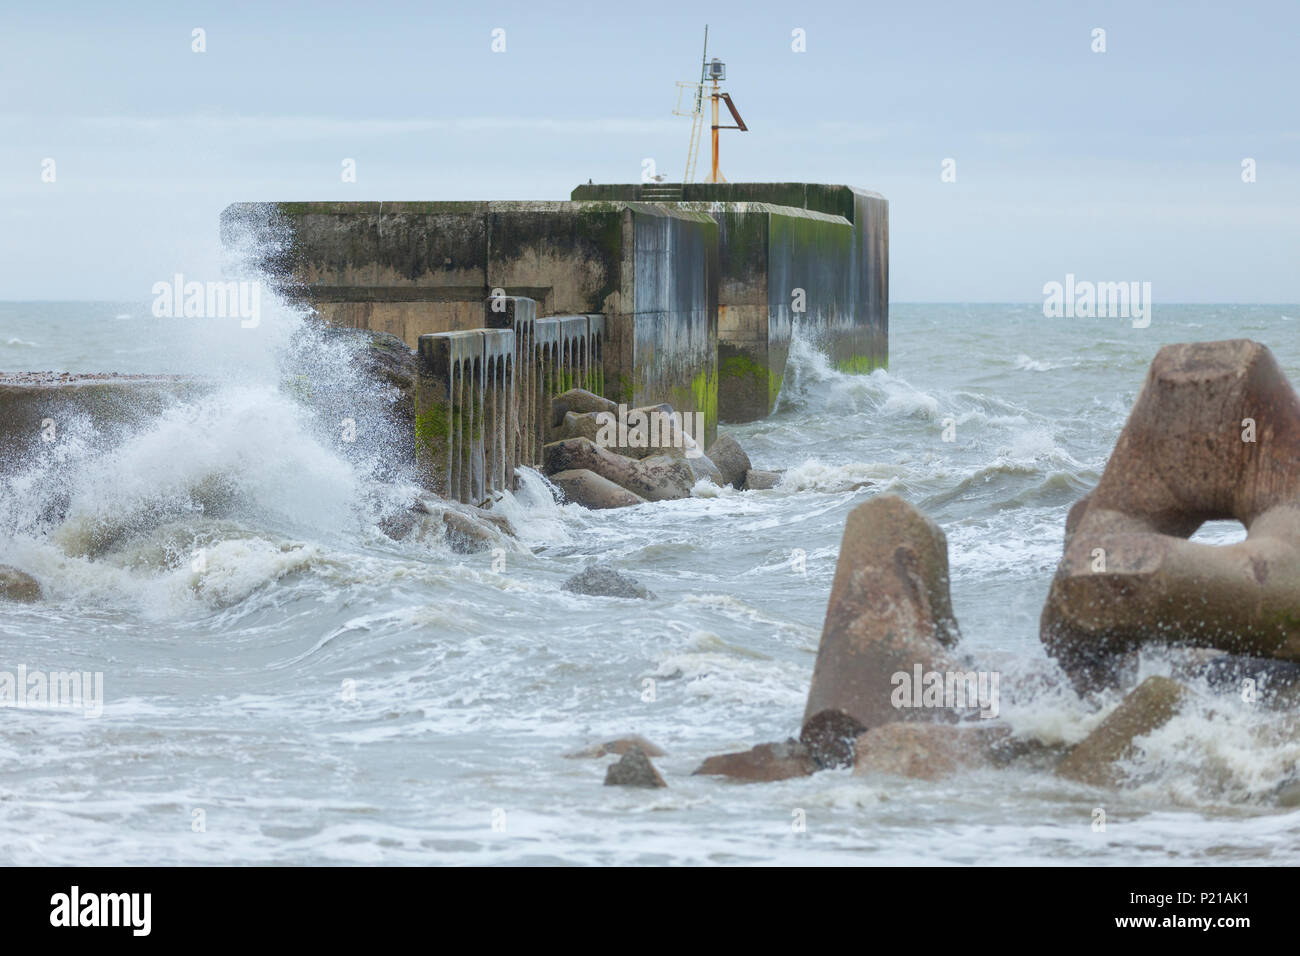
x: 415, y: 269
x: 698, y: 300
x: 774, y: 238
x: 779, y: 267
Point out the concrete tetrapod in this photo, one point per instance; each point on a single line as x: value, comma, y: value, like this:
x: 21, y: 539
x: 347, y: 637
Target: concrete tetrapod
x: 1214, y: 435
x: 889, y: 613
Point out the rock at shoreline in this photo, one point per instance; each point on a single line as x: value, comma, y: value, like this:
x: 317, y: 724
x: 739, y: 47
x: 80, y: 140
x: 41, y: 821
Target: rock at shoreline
x: 889, y: 614
x: 761, y: 480
x: 601, y: 581
x: 1214, y: 434
x: 647, y: 431
x: 633, y: 770
x: 466, y: 529
x: 704, y: 470
x: 580, y: 402
x: 654, y: 479
x: 730, y: 459
x: 829, y: 737
x: 18, y: 586
x: 590, y: 490
x: 469, y: 535
x: 619, y: 747
x: 766, y: 762
x: 1096, y: 759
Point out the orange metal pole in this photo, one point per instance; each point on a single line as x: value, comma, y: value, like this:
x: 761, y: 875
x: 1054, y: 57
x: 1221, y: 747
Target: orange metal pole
x: 714, y: 177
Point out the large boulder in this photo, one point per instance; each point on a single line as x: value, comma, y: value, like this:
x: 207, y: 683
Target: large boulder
x: 600, y: 581
x: 704, y: 470
x: 654, y: 479
x: 18, y: 586
x: 1098, y: 758
x: 634, y: 433
x: 111, y: 404
x: 465, y: 528
x: 1214, y: 435
x: 470, y: 534
x: 731, y: 461
x: 633, y: 770
x: 590, y: 490
x: 580, y: 402
x: 758, y: 480
x: 889, y: 615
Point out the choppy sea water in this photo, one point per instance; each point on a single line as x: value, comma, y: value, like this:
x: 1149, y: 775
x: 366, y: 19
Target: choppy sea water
x: 323, y: 694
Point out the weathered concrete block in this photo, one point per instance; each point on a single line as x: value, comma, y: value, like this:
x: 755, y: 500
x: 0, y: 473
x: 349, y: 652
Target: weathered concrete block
x: 1096, y: 759
x: 924, y: 751
x: 805, y: 254
x: 1214, y: 434
x: 519, y: 314
x: 776, y: 761
x: 889, y: 613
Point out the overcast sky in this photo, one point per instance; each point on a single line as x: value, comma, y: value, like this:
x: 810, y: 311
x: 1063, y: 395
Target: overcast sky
x: 1114, y: 166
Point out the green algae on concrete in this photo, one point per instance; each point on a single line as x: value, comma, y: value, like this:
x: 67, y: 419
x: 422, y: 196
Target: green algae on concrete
x: 861, y: 365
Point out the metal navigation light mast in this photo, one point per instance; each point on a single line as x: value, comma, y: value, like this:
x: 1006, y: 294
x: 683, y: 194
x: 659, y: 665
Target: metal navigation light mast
x: 714, y: 71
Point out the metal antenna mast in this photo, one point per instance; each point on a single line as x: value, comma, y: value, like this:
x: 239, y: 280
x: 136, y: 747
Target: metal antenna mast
x: 696, y: 112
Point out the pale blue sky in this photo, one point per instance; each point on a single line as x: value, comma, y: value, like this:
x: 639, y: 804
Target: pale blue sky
x: 1124, y: 165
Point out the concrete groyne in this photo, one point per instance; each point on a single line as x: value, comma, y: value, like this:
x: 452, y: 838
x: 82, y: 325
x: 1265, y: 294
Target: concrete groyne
x: 691, y: 304
x: 483, y: 396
